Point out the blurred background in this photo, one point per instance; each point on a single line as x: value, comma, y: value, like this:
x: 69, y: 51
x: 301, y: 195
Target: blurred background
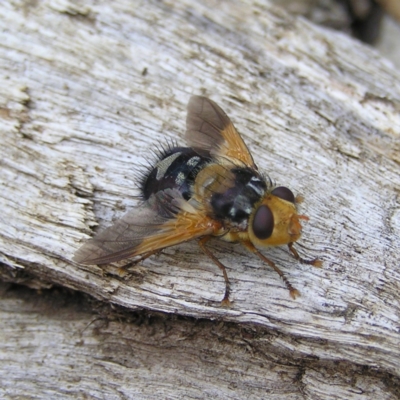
x: 375, y: 22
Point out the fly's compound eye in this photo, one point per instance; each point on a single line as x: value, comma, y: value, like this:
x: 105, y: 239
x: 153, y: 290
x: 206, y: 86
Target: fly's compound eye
x: 284, y: 193
x: 263, y: 222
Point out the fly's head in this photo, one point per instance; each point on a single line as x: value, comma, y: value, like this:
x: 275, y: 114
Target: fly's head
x: 275, y: 220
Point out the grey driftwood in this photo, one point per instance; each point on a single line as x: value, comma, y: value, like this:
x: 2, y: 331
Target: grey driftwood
x: 87, y: 91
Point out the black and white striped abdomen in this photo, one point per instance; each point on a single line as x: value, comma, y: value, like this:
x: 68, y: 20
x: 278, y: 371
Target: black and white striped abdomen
x: 176, y: 169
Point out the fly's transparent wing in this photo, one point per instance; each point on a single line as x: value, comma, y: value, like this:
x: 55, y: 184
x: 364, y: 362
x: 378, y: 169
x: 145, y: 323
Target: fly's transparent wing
x: 147, y: 229
x: 122, y: 239
x: 209, y: 129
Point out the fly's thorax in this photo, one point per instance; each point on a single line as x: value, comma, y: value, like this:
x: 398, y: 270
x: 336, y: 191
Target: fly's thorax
x: 229, y: 192
x: 274, y: 222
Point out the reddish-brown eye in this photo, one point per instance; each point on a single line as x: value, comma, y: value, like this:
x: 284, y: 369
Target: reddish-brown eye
x: 284, y: 193
x: 263, y: 223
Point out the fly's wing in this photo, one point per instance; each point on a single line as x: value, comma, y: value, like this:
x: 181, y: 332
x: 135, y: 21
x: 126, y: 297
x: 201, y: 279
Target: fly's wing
x: 146, y: 229
x: 209, y: 129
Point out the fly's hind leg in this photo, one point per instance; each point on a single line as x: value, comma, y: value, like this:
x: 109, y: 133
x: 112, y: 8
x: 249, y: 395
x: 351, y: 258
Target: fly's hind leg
x: 225, y: 301
x: 122, y: 270
x: 293, y: 292
x: 315, y: 262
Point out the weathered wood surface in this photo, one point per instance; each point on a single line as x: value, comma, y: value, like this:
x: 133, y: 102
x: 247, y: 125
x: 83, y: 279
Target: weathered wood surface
x: 63, y: 345
x: 87, y: 90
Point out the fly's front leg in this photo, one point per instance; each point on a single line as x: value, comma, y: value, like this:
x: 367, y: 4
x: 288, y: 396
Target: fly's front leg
x: 293, y: 292
x: 315, y: 262
x: 225, y: 301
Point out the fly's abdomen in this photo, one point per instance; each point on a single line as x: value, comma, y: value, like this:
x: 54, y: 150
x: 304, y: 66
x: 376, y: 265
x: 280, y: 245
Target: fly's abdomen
x: 176, y: 169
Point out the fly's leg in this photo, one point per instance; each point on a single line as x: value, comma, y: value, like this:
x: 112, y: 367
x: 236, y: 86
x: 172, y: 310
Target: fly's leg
x: 315, y: 263
x: 225, y: 301
x: 124, y: 268
x: 293, y: 292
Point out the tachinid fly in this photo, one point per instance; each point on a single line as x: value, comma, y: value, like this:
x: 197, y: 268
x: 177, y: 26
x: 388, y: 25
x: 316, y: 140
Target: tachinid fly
x: 211, y: 188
